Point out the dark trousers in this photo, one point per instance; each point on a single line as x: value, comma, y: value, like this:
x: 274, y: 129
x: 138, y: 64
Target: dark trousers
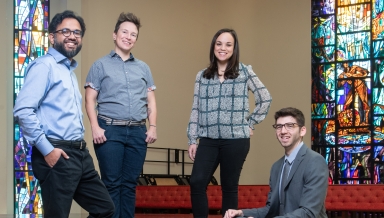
x: 73, y: 178
x: 230, y: 154
x: 121, y: 160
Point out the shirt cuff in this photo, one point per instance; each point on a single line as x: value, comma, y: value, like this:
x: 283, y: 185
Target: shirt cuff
x: 44, y: 146
x: 192, y: 142
x: 251, y: 124
x: 151, y: 88
x: 90, y: 84
x: 247, y: 212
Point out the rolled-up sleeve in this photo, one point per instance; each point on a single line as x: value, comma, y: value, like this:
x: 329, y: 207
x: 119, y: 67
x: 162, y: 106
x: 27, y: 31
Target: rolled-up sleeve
x: 150, y: 85
x: 93, y: 78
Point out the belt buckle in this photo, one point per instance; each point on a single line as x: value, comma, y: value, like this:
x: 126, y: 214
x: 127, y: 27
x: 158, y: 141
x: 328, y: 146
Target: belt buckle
x: 81, y: 145
x: 129, y: 123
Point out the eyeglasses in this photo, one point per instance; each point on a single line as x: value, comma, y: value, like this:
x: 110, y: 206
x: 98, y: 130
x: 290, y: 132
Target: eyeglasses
x: 288, y: 126
x: 67, y: 32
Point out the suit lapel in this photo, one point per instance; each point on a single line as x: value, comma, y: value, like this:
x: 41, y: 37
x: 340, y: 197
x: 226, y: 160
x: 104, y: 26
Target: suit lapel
x: 275, y: 199
x: 296, y: 163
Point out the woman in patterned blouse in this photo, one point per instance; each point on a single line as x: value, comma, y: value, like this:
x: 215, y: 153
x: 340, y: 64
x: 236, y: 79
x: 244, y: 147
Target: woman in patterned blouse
x: 221, y: 121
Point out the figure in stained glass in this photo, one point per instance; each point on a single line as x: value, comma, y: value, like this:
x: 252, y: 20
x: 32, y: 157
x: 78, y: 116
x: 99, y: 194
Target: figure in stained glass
x: 355, y: 86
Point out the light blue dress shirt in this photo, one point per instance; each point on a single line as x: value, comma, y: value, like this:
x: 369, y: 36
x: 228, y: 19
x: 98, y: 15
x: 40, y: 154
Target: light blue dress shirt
x: 49, y: 103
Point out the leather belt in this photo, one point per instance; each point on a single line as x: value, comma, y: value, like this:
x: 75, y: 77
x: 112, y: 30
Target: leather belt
x: 110, y: 121
x: 78, y: 144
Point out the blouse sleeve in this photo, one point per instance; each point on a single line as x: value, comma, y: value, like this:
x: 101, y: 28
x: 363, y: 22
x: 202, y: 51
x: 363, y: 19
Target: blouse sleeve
x: 193, y: 125
x: 263, y: 98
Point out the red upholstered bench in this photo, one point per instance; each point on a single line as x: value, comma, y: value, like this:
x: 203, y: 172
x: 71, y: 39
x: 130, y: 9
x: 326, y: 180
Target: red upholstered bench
x: 178, y: 197
x: 355, y: 200
x: 163, y: 197
x: 341, y: 201
x: 250, y: 196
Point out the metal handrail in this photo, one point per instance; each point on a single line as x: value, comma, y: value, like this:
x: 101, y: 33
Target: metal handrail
x: 168, y: 161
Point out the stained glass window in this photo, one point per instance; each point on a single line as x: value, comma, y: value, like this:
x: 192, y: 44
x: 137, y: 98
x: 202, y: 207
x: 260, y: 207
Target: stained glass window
x: 31, y: 19
x: 348, y: 88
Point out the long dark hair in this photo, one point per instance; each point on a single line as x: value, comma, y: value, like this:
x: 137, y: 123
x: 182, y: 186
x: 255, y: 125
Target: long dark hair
x: 232, y: 69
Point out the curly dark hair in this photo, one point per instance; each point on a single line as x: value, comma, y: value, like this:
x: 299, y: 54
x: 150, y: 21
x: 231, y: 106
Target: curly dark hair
x: 293, y: 112
x: 127, y: 17
x: 58, y: 19
x: 232, y: 70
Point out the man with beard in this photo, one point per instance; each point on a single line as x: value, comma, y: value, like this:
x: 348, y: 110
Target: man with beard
x: 48, y: 109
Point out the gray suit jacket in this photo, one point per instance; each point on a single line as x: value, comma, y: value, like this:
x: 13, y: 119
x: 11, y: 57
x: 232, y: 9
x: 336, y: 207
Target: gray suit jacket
x: 305, y: 190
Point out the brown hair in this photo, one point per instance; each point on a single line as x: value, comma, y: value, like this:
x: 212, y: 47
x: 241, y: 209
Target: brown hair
x: 293, y: 112
x: 127, y: 17
x: 232, y: 70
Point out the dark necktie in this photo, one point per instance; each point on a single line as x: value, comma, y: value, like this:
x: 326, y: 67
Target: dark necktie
x: 284, y: 179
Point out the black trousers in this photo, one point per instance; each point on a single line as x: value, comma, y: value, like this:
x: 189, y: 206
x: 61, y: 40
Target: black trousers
x: 230, y: 154
x: 73, y: 178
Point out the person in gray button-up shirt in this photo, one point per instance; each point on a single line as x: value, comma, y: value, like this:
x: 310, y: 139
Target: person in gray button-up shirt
x: 123, y: 88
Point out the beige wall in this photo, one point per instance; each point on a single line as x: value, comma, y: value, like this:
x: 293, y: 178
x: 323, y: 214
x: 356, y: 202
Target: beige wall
x: 174, y: 41
x: 6, y: 104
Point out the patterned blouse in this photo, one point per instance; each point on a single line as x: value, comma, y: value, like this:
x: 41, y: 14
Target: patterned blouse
x: 221, y: 110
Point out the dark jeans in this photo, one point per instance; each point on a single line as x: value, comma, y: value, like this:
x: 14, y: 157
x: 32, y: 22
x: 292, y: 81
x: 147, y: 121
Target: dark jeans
x: 73, y: 178
x: 230, y: 154
x: 121, y: 160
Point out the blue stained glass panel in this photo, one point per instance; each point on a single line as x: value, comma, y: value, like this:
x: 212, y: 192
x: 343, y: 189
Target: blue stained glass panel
x: 354, y: 136
x: 323, y: 54
x: 379, y: 174
x: 354, y: 165
x: 321, y: 7
x: 31, y: 20
x: 323, y: 31
x: 378, y: 50
x: 353, y: 46
x: 377, y: 20
x: 378, y: 153
x: 28, y: 194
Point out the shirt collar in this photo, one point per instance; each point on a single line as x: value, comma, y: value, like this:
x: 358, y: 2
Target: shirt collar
x: 114, y: 54
x: 60, y: 58
x: 293, y: 154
